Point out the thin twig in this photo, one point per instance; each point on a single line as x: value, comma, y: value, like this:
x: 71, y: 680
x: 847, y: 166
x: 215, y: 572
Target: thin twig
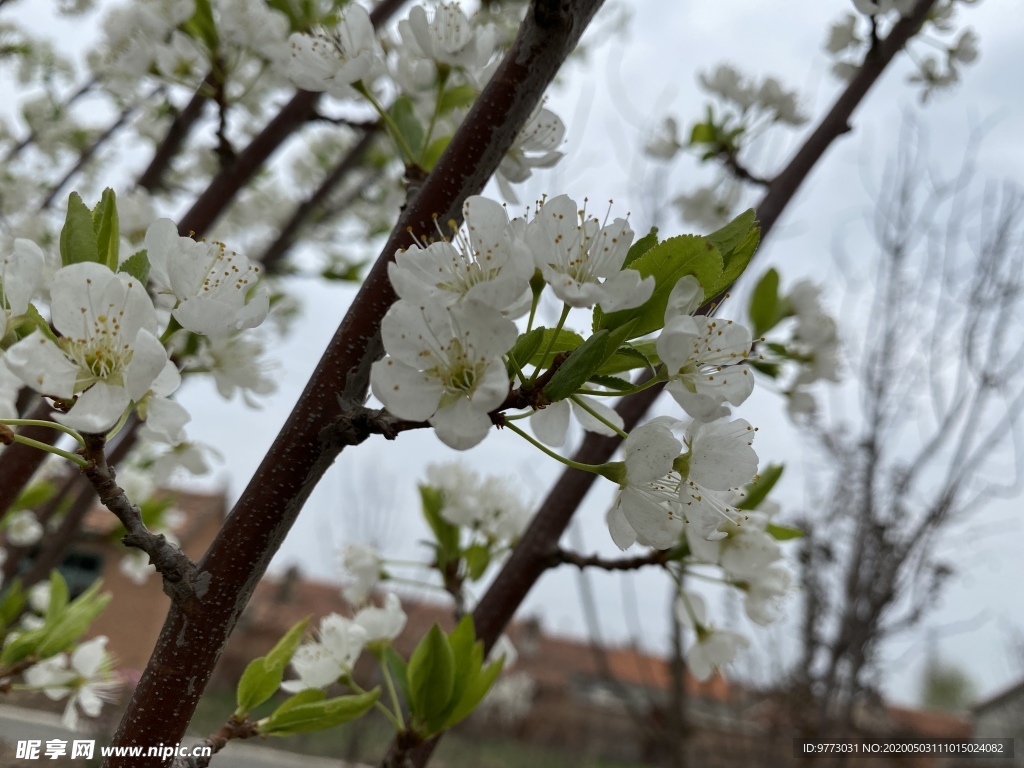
x: 566, y: 557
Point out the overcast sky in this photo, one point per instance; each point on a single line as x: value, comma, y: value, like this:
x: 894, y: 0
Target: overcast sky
x: 633, y: 76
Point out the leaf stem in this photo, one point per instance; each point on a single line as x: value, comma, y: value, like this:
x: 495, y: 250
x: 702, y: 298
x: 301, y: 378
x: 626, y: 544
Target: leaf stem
x: 50, y: 449
x: 392, y: 694
x: 551, y: 342
x: 41, y: 423
x: 557, y: 457
x: 400, y: 141
x: 599, y: 417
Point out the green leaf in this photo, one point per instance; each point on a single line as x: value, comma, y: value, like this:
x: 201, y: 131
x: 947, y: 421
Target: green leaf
x: 469, y: 656
x: 67, y: 627
x: 12, y: 603
x: 526, y: 346
x: 734, y: 233
x: 431, y: 675
x: 755, y: 492
x: 764, y: 304
x: 137, y: 265
x: 262, y: 677
x: 629, y: 357
x: 35, y: 495
x: 583, y: 363
x: 477, y: 558
x: 703, y: 133
x: 641, y: 246
x: 58, y: 598
x: 408, y: 124
x: 77, y: 238
x: 552, y: 345
x: 612, y: 382
x: 736, y: 261
x: 446, y: 534
x: 667, y: 262
x: 458, y: 96
x: 783, y: 532
x: 434, y: 151
x: 202, y: 26
x: 768, y: 369
x: 317, y: 715
x: 476, y: 689
x: 105, y: 227
x: 41, y: 325
x: 399, y: 670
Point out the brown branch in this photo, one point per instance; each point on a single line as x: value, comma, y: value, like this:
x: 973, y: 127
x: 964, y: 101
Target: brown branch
x: 566, y: 557
x: 19, y: 462
x: 152, y: 178
x: 232, y: 729
x: 181, y: 582
x: 296, y: 113
x: 189, y: 646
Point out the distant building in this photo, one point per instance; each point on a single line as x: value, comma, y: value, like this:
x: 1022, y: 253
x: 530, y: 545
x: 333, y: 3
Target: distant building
x: 1002, y: 717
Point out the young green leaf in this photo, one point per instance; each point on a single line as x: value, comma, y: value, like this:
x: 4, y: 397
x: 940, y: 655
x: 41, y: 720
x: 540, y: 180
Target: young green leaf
x: 105, y: 227
x: 476, y: 689
x: 583, y: 363
x: 317, y: 715
x: 764, y: 304
x: 399, y: 670
x: 783, y: 532
x: 431, y: 675
x: 667, y: 262
x: 446, y: 534
x: 641, y: 246
x: 477, y: 558
x: 77, y: 238
x: 137, y: 265
x: 408, y: 124
x: 262, y: 677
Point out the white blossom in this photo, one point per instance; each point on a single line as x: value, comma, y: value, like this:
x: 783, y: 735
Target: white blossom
x: 535, y: 146
x: 384, y: 623
x: 448, y: 38
x: 702, y: 355
x: 489, y: 505
x: 216, y: 289
x: 444, y: 365
x: 706, y: 208
x: 108, y: 353
x: 236, y: 363
x: 728, y: 82
x: 86, y: 676
x: 664, y: 144
x: 320, y: 663
x: 365, y: 566
x: 21, y: 275
x: 774, y: 98
x: 843, y: 34
x: 331, y: 61
x: 489, y: 263
x: 551, y: 423
x: 582, y: 261
x: 965, y: 50
x: 714, y: 648
x: 252, y: 24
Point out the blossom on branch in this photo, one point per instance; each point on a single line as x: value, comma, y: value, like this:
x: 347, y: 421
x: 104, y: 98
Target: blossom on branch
x: 582, y: 260
x: 445, y: 366
x: 107, y: 354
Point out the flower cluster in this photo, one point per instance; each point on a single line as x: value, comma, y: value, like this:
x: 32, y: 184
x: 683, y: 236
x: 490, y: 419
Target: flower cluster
x: 123, y: 328
x: 447, y: 336
x: 849, y: 37
x: 319, y: 663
